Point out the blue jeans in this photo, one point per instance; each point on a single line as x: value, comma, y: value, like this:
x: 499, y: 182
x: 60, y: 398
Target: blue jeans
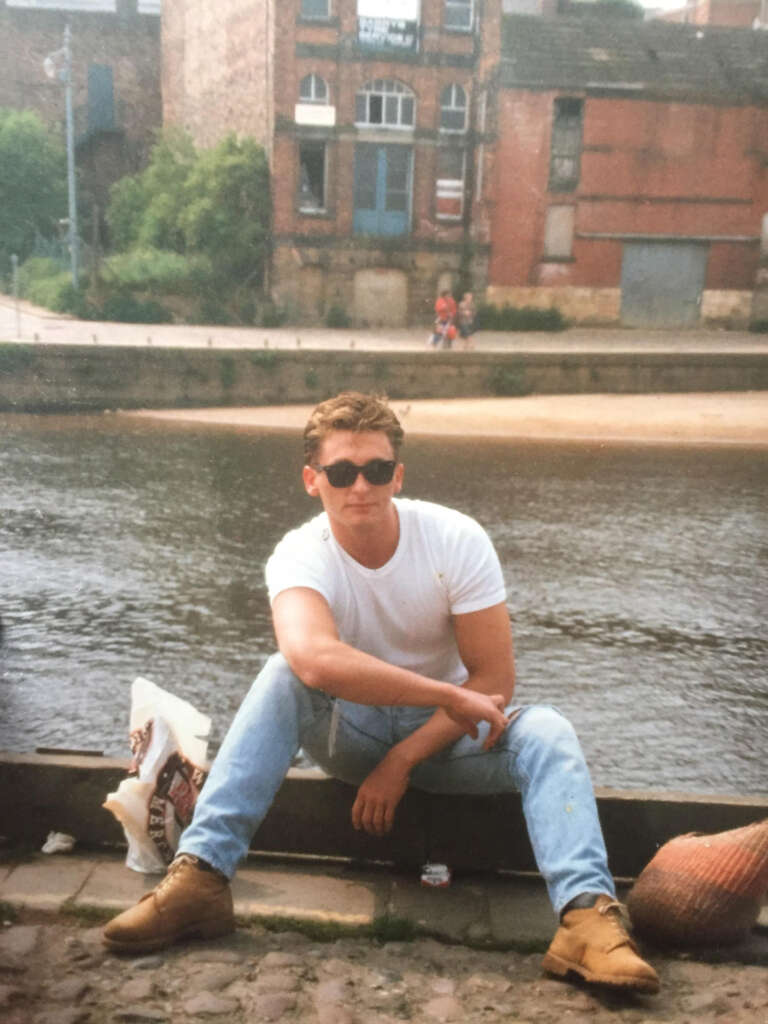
x: 538, y: 755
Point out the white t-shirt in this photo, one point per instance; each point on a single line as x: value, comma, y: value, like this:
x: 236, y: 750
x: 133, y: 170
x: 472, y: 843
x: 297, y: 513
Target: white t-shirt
x: 444, y: 565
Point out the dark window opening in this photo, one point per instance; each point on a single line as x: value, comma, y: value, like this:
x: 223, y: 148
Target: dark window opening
x: 565, y: 156
x: 312, y: 177
x: 101, y: 99
x: 314, y: 8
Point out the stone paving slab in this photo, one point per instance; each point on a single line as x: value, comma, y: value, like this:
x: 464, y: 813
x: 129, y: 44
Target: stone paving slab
x: 458, y: 912
x: 46, y: 883
x: 113, y: 886
x: 308, y: 893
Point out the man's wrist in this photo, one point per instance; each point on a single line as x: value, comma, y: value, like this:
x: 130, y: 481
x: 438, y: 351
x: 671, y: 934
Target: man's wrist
x: 402, y: 757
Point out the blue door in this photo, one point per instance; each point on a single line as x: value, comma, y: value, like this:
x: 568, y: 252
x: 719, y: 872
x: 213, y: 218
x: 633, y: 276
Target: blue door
x: 382, y: 189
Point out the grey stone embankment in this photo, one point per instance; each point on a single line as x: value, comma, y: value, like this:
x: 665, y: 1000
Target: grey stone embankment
x: 79, y: 378
x: 53, y: 363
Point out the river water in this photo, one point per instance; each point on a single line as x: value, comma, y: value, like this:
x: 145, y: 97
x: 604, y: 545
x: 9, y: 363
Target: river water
x: 637, y: 575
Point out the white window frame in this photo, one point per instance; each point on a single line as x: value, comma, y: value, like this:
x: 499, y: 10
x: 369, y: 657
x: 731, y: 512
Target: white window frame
x: 313, y: 95
x: 451, y: 188
x: 452, y: 15
x: 385, y: 89
x: 455, y: 90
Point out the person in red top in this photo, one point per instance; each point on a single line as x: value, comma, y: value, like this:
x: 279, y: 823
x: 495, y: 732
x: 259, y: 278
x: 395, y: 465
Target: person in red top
x: 445, y: 306
x: 445, y: 316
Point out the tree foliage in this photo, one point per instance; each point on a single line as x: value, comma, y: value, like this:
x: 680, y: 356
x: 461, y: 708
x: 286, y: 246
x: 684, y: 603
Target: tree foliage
x: 33, y: 184
x: 214, y: 204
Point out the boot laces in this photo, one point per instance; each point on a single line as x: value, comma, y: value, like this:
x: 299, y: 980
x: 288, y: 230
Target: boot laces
x: 614, y: 905
x: 173, y: 868
x: 618, y: 916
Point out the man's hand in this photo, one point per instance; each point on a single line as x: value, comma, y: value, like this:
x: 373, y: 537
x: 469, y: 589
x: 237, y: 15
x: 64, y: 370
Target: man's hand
x: 378, y: 796
x: 468, y: 707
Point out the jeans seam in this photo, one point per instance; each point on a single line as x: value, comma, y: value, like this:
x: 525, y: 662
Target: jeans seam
x: 362, y: 732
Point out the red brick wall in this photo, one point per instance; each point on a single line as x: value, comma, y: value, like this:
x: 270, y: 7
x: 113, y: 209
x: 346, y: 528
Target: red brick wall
x: 647, y: 168
x: 128, y: 43
x: 345, y: 77
x: 729, y: 13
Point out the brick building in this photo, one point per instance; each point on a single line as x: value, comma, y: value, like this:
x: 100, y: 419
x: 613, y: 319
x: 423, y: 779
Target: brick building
x: 371, y: 124
x: 615, y: 168
x: 628, y: 180
x: 115, y: 75
x: 728, y: 13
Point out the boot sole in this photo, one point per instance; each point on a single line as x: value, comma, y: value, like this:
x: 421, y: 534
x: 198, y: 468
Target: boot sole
x: 210, y: 930
x: 555, y: 965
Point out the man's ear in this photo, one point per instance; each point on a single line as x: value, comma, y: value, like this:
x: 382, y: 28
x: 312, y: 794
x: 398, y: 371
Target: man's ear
x: 399, y: 471
x: 309, y: 478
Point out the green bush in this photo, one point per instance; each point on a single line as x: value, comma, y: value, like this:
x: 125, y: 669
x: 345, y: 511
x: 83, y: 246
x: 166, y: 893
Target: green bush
x: 46, y: 283
x: 759, y: 327
x: 123, y: 307
x: 33, y: 184
x: 508, y: 380
x: 211, y: 311
x: 272, y: 315
x: 336, y: 317
x: 158, y: 270
x: 144, y: 210
x: 213, y: 203
x: 519, y: 318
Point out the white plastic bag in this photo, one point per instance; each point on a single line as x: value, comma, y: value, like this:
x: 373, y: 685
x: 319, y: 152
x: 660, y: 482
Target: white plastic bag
x: 170, y: 764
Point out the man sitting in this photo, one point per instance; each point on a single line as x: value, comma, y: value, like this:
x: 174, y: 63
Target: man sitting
x: 395, y: 669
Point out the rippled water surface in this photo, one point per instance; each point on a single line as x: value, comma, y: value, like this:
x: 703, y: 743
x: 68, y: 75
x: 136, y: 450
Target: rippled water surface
x: 638, y: 583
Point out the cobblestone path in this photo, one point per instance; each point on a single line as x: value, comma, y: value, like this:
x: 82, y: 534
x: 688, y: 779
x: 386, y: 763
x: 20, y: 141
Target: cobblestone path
x: 53, y: 970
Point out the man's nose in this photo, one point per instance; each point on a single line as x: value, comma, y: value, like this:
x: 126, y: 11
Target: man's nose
x: 361, y: 484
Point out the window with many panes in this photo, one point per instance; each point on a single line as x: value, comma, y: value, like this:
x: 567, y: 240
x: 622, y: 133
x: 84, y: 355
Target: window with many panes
x: 315, y: 8
x: 565, y: 153
x: 459, y: 15
x: 312, y: 177
x: 313, y: 89
x: 453, y: 109
x: 385, y: 103
x: 449, y: 183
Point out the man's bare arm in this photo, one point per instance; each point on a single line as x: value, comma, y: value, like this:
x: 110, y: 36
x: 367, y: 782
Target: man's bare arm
x: 308, y: 639
x: 485, y: 644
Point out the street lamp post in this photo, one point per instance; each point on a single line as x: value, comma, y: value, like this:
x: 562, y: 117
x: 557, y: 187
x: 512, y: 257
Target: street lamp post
x: 58, y: 65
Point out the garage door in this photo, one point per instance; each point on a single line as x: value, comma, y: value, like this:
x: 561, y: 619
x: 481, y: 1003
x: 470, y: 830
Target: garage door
x: 662, y: 282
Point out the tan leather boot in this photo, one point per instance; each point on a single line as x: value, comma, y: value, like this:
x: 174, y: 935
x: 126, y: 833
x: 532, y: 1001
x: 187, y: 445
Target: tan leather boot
x: 190, y: 902
x: 594, y: 943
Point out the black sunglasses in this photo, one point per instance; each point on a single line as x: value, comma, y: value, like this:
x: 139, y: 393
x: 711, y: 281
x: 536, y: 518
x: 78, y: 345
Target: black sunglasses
x: 344, y: 473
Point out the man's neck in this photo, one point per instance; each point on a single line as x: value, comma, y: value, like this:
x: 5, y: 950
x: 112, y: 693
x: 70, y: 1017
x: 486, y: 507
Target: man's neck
x: 372, y: 545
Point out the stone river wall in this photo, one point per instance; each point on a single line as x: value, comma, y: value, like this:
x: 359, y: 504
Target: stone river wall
x: 80, y: 378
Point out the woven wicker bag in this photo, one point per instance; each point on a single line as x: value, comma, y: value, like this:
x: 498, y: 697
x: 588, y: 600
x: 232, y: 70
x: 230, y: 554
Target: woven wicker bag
x: 703, y: 889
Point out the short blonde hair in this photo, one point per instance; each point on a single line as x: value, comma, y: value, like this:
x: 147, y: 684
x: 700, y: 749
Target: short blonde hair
x: 351, y: 410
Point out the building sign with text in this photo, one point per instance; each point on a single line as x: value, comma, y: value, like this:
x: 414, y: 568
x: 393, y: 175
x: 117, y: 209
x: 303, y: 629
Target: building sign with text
x: 388, y: 33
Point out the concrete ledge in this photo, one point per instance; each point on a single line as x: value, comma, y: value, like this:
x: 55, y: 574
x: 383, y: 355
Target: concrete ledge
x: 71, y: 378
x: 310, y: 816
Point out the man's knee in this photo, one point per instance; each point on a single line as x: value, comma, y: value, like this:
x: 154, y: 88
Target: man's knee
x: 544, y: 726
